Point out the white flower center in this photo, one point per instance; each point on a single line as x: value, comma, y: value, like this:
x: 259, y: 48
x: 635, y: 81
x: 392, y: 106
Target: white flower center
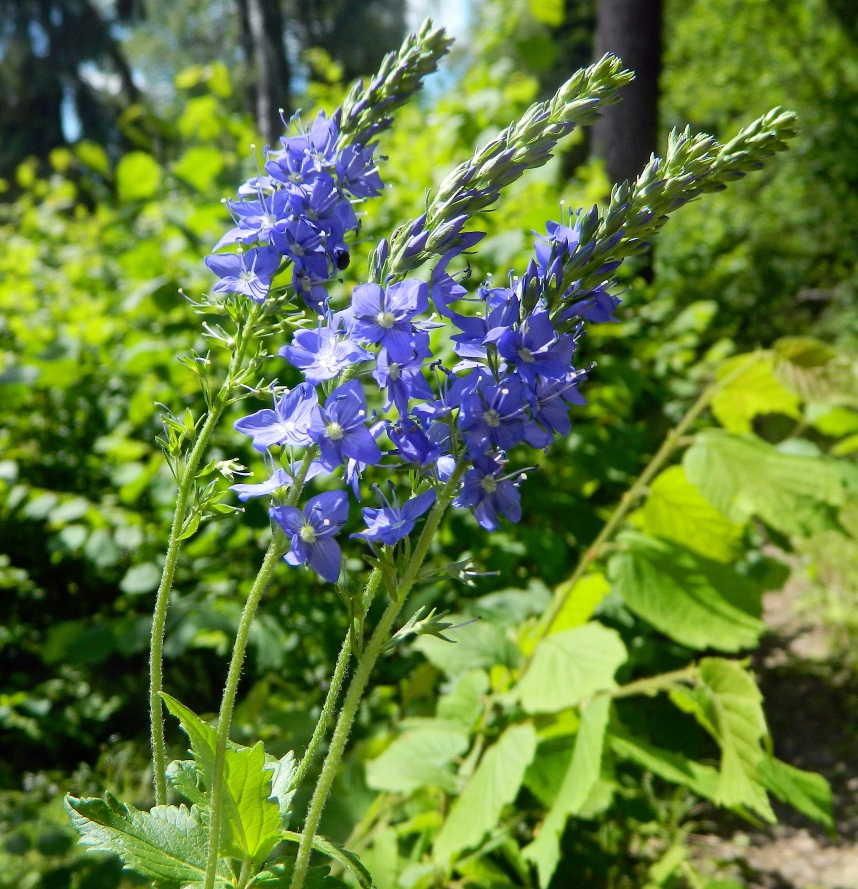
x: 386, y: 319
x: 394, y: 372
x: 246, y: 277
x: 489, y: 484
x: 492, y: 418
x: 334, y: 431
x: 308, y: 533
x: 526, y: 355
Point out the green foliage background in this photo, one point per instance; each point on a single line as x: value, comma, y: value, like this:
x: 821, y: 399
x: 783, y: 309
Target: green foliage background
x: 94, y: 254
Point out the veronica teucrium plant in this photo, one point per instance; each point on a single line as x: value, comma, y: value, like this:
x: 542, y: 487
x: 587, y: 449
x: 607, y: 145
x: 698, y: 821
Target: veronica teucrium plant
x: 385, y: 426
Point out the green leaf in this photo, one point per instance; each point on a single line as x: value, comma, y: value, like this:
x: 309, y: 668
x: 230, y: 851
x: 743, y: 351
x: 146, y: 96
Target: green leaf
x: 743, y: 476
x: 252, y: 823
x: 549, y: 12
x: 141, y: 579
x: 676, y: 510
x: 580, y: 601
x: 478, y: 645
x: 283, y: 770
x: 545, y: 774
x: 570, y: 665
x: 493, y: 785
x: 807, y: 792
x: 167, y: 843
x: 279, y: 876
x: 579, y: 780
x: 667, y: 764
x: 753, y: 392
x: 465, y: 703
x: 728, y: 704
x: 419, y: 758
x: 138, y: 176
x: 809, y: 367
x: 347, y: 859
x: 688, y: 598
x: 199, y: 166
x: 202, y: 736
x: 186, y: 778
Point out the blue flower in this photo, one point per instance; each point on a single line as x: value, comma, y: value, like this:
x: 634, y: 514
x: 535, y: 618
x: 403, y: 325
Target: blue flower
x: 532, y: 348
x: 357, y: 172
x: 551, y: 401
x: 288, y: 424
x: 302, y: 243
x: 488, y: 494
x: 321, y: 354
x: 256, y: 219
x: 312, y: 532
x: 404, y: 380
x: 339, y: 428
x: 599, y: 307
x: 384, y: 316
x: 279, y: 480
x: 391, y: 523
x: 493, y: 416
x: 247, y: 273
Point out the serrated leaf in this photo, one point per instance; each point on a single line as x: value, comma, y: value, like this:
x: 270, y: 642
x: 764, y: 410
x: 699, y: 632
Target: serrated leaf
x: 187, y: 779
x: 807, y: 792
x: 418, y: 758
x: 494, y: 784
x: 279, y: 876
x: 688, y: 598
x: 667, y: 764
x: 347, y: 859
x: 809, y: 367
x: 579, y: 780
x: 676, y: 510
x: 570, y: 665
x: 283, y: 773
x: 728, y: 704
x: 203, y: 737
x: 252, y: 820
x: 475, y: 646
x: 755, y: 391
x: 167, y: 843
x: 744, y: 476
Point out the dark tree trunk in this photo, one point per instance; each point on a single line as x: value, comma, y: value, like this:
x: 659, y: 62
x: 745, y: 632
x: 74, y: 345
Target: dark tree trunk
x: 627, y: 134
x: 262, y: 38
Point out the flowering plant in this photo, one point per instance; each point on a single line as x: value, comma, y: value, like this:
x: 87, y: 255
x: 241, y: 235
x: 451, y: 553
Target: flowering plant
x: 416, y: 393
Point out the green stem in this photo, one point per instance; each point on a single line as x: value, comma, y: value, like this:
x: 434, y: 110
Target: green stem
x: 224, y: 722
x: 652, y: 684
x: 162, y: 600
x: 673, y: 440
x: 361, y: 677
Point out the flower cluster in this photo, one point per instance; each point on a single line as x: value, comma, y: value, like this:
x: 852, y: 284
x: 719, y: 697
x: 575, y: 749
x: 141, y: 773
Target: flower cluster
x: 512, y: 381
x: 299, y: 210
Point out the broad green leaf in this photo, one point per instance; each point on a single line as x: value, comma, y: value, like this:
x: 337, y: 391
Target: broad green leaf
x: 476, y: 645
x: 808, y: 366
x: 465, y: 703
x: 168, y: 843
x: 419, y: 758
x: 691, y: 599
x: 544, y: 776
x: 199, y: 166
x: 756, y: 390
x: 570, y: 665
x: 203, y: 737
x: 347, y: 859
x: 676, y: 510
x: 671, y: 766
x: 549, y: 12
x: 252, y: 822
x: 744, y: 476
x: 807, y: 792
x: 493, y: 785
x: 279, y: 876
x: 138, y: 176
x: 728, y: 704
x: 186, y: 777
x: 581, y: 601
x: 579, y: 780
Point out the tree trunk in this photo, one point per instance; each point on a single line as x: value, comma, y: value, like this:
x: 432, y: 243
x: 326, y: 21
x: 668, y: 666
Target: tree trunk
x: 262, y: 37
x: 627, y: 134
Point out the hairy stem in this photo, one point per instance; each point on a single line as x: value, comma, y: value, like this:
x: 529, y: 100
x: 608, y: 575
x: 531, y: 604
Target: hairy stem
x: 361, y: 677
x: 674, y: 440
x: 224, y: 722
x: 162, y: 600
